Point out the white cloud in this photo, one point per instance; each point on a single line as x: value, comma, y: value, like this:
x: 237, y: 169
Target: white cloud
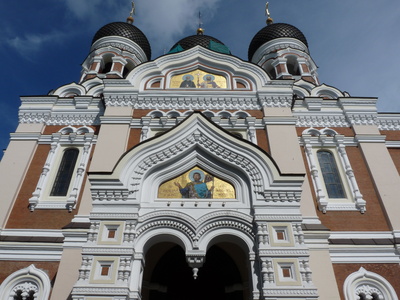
x: 33, y: 42
x: 90, y: 10
x: 163, y: 21
x: 166, y: 21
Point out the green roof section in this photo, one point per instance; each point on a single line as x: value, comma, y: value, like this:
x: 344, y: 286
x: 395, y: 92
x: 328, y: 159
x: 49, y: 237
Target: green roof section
x: 218, y: 47
x: 177, y: 48
x: 200, y: 40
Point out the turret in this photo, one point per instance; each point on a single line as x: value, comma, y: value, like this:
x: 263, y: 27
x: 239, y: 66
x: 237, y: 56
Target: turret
x: 116, y: 49
x: 282, y: 51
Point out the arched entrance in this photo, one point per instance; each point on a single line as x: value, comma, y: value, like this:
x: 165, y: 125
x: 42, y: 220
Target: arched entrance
x: 168, y: 276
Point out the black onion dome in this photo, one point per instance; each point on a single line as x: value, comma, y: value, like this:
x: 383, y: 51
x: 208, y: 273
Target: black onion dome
x: 125, y: 30
x: 199, y: 40
x: 275, y: 31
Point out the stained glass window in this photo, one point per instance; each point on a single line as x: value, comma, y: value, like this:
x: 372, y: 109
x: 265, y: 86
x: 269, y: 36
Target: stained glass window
x: 64, y: 174
x: 330, y: 174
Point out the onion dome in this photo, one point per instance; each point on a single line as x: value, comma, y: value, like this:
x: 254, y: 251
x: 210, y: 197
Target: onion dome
x: 205, y: 41
x: 275, y: 31
x: 125, y: 30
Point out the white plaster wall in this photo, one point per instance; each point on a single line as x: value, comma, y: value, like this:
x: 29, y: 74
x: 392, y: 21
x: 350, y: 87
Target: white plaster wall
x: 111, y: 144
x: 13, y: 168
x: 285, y: 150
x: 118, y: 111
x: 386, y: 179
x: 366, y: 129
x: 112, y: 140
x: 85, y: 205
x: 67, y: 274
x: 323, y: 276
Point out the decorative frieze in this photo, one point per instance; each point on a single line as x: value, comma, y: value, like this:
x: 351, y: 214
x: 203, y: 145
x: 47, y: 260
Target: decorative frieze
x: 322, y: 120
x: 282, y: 196
x: 276, y: 101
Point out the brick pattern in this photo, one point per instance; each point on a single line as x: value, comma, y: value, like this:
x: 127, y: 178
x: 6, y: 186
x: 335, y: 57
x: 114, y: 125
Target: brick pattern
x: 389, y: 271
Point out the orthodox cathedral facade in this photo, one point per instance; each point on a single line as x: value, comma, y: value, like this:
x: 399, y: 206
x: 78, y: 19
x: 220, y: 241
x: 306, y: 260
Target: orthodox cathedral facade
x: 199, y: 175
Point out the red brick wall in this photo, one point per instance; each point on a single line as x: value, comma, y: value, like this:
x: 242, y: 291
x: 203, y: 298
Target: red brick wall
x: 134, y: 138
x: 389, y: 271
x: 391, y: 135
x: 395, y: 154
x: 354, y: 220
x: 22, y: 217
x: 262, y: 140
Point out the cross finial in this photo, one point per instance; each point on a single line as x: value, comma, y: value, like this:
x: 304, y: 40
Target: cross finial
x: 133, y: 10
x: 200, y: 30
x: 268, y: 14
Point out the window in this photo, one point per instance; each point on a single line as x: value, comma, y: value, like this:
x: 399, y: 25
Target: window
x: 293, y: 66
x: 334, y: 182
x: 330, y: 173
x: 26, y: 284
x: 362, y: 285
x: 281, y: 235
x: 104, y: 270
x: 23, y: 295
x: 110, y: 233
x: 64, y: 174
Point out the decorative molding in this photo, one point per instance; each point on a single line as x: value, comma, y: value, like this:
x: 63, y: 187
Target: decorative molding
x: 37, y: 200
x: 284, y: 252
x: 120, y: 43
x: 312, y: 138
x: 51, y: 118
x: 367, y: 284
x: 115, y: 250
x: 101, y: 195
x: 292, y: 292
x: 282, y: 196
x: 107, y: 215
x: 30, y: 281
x: 276, y: 101
x: 321, y: 120
x: 388, y: 121
x: 100, y: 291
x: 276, y: 217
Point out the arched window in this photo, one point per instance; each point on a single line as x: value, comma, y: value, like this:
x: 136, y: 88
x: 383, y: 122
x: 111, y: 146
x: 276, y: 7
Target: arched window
x: 365, y: 285
x: 270, y: 69
x: 26, y: 284
x: 64, y: 173
x: 24, y: 295
x: 293, y: 66
x: 330, y: 173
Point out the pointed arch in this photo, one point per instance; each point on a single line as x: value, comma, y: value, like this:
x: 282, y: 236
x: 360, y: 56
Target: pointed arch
x: 198, y: 142
x: 28, y: 281
x: 368, y: 284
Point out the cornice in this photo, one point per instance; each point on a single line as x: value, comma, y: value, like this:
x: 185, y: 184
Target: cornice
x: 370, y: 138
x: 210, y: 102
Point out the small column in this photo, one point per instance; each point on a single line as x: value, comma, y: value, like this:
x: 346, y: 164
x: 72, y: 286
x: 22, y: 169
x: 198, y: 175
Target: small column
x: 136, y: 279
x: 118, y: 65
x: 280, y: 67
x: 305, y: 70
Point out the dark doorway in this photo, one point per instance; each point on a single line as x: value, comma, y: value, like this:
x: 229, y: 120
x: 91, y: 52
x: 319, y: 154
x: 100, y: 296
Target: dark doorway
x: 172, y: 278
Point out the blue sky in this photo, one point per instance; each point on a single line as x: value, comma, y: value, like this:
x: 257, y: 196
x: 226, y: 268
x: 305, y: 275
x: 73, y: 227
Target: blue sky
x: 43, y: 42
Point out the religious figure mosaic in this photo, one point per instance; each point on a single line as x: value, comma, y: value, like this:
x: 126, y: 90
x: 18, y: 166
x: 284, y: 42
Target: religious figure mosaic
x: 196, y: 184
x: 198, y: 79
